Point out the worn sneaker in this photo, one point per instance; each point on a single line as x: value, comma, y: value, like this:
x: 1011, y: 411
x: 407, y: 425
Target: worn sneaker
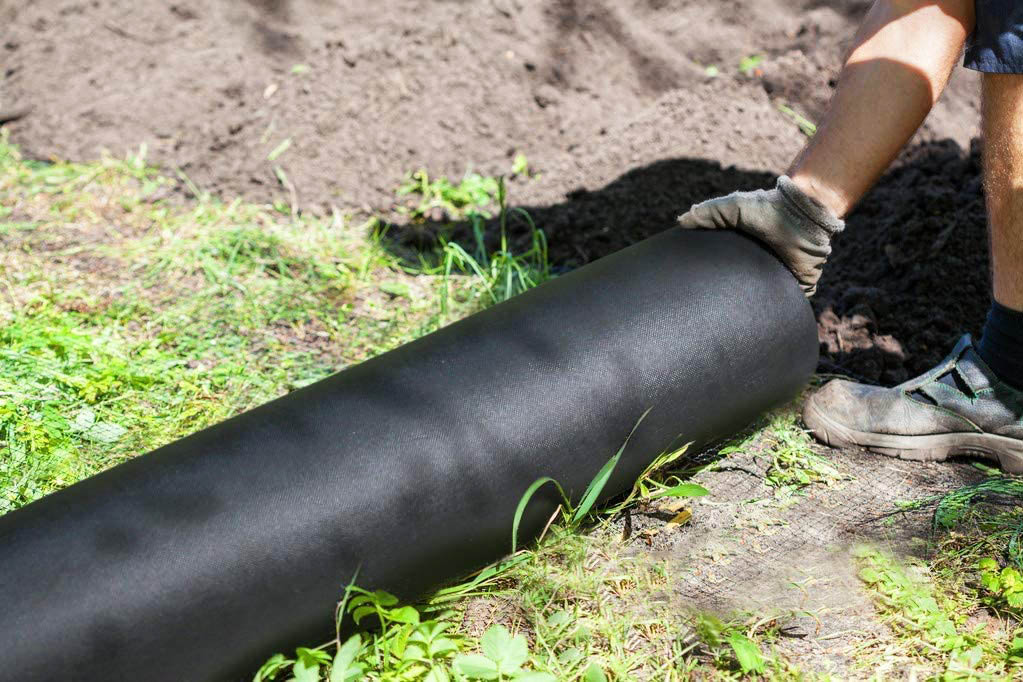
x: 958, y: 408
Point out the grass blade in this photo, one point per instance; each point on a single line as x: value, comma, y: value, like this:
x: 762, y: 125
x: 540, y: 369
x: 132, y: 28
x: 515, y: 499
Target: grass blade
x: 521, y: 509
x: 683, y: 490
x: 487, y: 574
x: 595, y: 487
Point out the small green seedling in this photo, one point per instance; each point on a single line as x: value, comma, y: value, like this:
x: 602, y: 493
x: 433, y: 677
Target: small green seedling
x: 474, y: 194
x: 808, y: 127
x: 520, y: 166
x: 748, y: 65
x: 1004, y: 585
x: 725, y: 640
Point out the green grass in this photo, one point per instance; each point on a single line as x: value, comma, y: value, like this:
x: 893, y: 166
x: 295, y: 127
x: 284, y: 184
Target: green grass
x: 957, y: 615
x: 793, y: 463
x: 125, y: 324
x: 932, y: 624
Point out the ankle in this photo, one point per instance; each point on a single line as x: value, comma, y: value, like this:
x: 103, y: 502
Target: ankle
x: 1001, y: 345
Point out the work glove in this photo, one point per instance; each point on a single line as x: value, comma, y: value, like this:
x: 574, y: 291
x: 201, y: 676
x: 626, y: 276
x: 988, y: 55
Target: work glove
x: 796, y: 227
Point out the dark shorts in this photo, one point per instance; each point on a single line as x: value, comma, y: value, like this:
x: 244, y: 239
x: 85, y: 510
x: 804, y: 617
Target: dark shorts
x: 996, y: 45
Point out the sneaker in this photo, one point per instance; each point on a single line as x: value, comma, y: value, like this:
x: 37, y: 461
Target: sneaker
x: 958, y: 408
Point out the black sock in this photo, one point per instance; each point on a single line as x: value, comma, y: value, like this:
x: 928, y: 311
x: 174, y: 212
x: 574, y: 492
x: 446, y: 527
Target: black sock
x: 1001, y: 347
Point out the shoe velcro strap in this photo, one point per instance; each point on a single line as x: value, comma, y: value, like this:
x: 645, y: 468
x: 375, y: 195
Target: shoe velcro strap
x: 972, y: 375
x: 940, y: 394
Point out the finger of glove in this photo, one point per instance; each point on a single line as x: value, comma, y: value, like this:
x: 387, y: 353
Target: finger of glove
x: 718, y: 213
x: 807, y: 272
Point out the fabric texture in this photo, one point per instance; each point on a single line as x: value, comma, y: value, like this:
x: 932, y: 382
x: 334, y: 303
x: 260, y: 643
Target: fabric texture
x: 1001, y: 345
x: 199, y: 560
x: 960, y: 395
x: 996, y: 44
x: 795, y: 226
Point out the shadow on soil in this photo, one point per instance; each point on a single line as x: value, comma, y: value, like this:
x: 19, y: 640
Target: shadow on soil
x: 907, y: 276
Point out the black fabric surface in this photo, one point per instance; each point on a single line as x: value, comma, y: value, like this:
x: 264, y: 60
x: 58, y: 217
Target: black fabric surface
x: 197, y: 561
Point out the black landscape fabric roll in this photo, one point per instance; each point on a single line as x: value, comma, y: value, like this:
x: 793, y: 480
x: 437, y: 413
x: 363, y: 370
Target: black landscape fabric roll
x: 198, y: 560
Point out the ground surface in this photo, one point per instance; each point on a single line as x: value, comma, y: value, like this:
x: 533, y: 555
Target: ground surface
x: 316, y: 111
x: 611, y: 102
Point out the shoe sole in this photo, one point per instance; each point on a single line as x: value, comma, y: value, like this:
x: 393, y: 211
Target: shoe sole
x: 1008, y: 452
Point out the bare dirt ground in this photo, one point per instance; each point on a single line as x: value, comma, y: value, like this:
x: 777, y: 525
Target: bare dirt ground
x: 614, y: 106
x: 611, y: 102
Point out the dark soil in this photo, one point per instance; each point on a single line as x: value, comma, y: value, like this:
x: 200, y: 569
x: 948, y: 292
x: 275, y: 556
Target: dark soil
x: 910, y: 274
x: 610, y: 101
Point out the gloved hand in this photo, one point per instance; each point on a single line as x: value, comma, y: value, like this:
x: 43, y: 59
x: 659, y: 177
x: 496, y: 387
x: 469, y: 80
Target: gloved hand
x: 798, y: 228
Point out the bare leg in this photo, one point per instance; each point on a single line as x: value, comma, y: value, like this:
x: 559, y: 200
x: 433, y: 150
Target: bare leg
x: 1003, y: 183
x: 901, y: 60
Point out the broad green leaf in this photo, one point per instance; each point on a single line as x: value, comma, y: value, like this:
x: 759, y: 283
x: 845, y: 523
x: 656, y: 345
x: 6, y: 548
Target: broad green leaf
x: 442, y: 646
x: 273, y: 665
x: 869, y: 575
x: 521, y: 165
x: 344, y: 658
x: 355, y: 602
x: 312, y: 655
x: 710, y: 628
x: 385, y: 598
x: 988, y: 564
x: 362, y: 612
x: 437, y: 675
x: 683, y: 490
x: 534, y: 677
x: 395, y: 289
x: 416, y: 651
x: 943, y: 627
x: 405, y: 614
x: 306, y: 670
x: 559, y: 618
x: 476, y: 667
x: 506, y: 651
x: 971, y: 657
x: 747, y: 653
x: 594, y: 674
x: 413, y: 653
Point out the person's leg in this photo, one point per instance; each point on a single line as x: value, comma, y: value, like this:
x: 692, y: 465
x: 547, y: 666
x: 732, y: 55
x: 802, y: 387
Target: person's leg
x: 900, y: 62
x: 1002, y: 343
x: 972, y: 403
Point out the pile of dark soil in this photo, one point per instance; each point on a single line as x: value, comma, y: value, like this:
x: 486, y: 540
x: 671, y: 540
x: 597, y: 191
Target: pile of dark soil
x: 910, y: 274
x: 612, y: 102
